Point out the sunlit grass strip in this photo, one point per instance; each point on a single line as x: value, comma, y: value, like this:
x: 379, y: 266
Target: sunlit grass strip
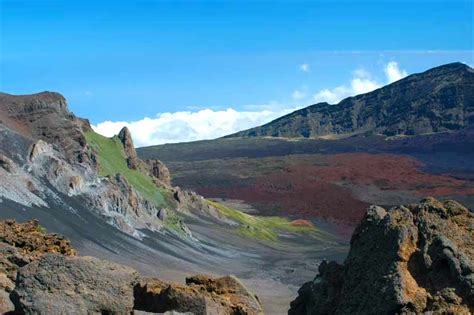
x: 263, y: 228
x: 112, y: 161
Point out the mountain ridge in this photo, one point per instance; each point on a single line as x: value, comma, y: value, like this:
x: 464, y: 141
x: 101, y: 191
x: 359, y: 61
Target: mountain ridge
x: 439, y: 99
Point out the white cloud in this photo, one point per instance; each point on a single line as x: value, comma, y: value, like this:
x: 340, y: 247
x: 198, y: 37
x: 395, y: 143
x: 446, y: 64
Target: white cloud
x: 362, y: 82
x: 393, y: 72
x: 305, y: 67
x: 88, y: 93
x: 189, y: 126
x: 299, y: 94
x: 208, y: 123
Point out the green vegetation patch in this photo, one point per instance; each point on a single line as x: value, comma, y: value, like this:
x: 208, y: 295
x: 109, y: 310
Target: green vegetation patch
x: 263, y: 228
x: 112, y: 161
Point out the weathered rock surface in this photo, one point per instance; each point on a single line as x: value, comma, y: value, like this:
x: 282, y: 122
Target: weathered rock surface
x: 10, y: 261
x: 154, y: 168
x: 46, y: 116
x: 21, y: 244
x: 56, y: 284
x: 440, y: 99
x: 126, y: 138
x: 29, y: 239
x: 410, y: 259
x: 158, y: 170
x: 200, y: 295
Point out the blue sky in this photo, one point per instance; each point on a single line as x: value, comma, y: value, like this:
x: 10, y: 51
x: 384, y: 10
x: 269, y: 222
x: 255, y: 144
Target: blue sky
x: 178, y: 62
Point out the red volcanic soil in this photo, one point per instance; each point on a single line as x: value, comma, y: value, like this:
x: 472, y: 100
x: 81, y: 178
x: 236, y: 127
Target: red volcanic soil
x: 301, y: 222
x: 387, y: 172
x: 305, y: 197
x: 318, y: 190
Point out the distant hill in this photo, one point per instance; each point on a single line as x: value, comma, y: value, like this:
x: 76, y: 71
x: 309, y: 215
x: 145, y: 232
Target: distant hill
x: 440, y: 99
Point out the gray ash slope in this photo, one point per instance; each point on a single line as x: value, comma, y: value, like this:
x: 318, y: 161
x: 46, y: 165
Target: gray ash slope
x: 440, y: 99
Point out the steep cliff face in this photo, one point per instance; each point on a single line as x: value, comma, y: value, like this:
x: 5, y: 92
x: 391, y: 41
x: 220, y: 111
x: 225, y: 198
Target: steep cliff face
x: 409, y: 259
x: 46, y: 116
x: 440, y: 99
x: 131, y: 155
x: 49, y: 157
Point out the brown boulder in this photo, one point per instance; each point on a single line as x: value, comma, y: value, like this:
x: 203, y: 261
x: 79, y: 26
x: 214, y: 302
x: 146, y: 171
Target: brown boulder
x: 158, y: 170
x: 125, y: 137
x: 31, y: 240
x: 200, y: 295
x: 57, y: 284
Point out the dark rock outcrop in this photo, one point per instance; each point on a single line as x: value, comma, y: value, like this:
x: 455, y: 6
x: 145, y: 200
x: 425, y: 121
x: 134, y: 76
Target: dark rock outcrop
x: 410, y: 259
x: 11, y: 260
x: 77, y: 285
x: 154, y: 168
x: 131, y: 155
x: 21, y: 244
x: 440, y: 99
x: 158, y: 170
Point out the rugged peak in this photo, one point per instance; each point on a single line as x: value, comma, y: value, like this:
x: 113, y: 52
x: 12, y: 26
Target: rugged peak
x: 438, y: 100
x: 126, y: 138
x: 420, y: 255
x: 32, y: 103
x: 455, y: 66
x: 46, y: 116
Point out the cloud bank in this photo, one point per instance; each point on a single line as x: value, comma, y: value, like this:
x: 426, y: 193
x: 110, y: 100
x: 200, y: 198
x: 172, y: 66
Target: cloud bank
x: 189, y: 126
x: 210, y: 124
x: 361, y: 82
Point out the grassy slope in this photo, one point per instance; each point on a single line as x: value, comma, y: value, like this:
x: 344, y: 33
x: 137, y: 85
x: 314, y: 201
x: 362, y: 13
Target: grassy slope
x: 112, y: 161
x: 264, y: 228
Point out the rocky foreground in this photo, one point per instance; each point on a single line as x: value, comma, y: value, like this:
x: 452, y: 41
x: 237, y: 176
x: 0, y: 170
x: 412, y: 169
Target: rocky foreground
x: 42, y: 274
x: 412, y: 259
x: 407, y: 260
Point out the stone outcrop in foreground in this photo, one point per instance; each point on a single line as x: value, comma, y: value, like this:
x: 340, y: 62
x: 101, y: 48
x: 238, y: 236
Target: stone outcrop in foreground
x: 41, y: 274
x: 410, y: 259
x: 200, y: 295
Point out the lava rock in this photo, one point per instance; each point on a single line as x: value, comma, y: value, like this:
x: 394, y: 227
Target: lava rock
x: 410, y: 259
x: 125, y: 137
x: 56, y: 284
x: 158, y: 170
x: 201, y: 295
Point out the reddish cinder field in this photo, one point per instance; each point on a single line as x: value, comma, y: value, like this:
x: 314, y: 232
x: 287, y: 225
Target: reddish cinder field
x: 321, y: 181
x: 336, y: 187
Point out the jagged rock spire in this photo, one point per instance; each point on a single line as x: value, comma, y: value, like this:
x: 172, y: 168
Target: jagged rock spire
x: 126, y: 138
